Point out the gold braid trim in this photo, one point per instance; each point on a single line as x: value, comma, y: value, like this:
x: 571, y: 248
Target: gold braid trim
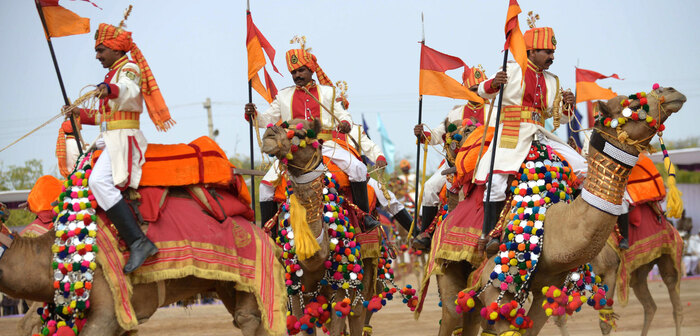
x: 608, y: 316
x: 606, y: 178
x: 310, y: 196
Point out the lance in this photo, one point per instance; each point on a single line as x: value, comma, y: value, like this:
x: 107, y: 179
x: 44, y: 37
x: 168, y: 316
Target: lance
x: 250, y: 132
x: 420, y: 121
x: 58, y: 74
x: 494, y: 142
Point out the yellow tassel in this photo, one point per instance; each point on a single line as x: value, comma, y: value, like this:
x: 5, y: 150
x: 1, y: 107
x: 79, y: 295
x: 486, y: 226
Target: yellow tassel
x: 674, y: 202
x: 306, y: 244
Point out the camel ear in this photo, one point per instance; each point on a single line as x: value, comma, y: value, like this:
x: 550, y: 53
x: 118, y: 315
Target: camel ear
x: 316, y: 126
x: 604, y: 108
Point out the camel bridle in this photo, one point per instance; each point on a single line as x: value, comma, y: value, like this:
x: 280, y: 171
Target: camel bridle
x: 5, y: 240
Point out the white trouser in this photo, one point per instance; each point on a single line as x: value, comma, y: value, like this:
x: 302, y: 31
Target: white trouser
x: 102, y: 184
x: 576, y: 162
x: 393, y: 206
x: 433, y: 186
x: 691, y: 264
x: 72, y: 153
x: 356, y: 170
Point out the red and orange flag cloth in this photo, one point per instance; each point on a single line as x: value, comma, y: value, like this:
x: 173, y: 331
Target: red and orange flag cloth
x: 515, y: 42
x: 587, y: 89
x: 62, y: 22
x: 258, y: 46
x: 433, y: 81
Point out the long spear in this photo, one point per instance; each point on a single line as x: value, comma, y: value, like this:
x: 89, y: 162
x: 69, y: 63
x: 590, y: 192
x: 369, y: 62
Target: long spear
x: 58, y: 74
x: 250, y: 132
x: 420, y: 121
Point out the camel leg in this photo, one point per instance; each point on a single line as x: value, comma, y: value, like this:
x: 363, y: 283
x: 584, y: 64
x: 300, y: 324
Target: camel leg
x: 243, y: 307
x: 672, y: 280
x: 471, y: 321
x: 536, y: 313
x: 30, y: 324
x: 560, y: 321
x: 641, y: 290
x: 101, y: 317
x: 450, y: 283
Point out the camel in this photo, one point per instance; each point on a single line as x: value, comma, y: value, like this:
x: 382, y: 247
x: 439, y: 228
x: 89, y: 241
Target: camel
x: 607, y: 263
x: 305, y: 162
x: 576, y: 232
x: 19, y: 277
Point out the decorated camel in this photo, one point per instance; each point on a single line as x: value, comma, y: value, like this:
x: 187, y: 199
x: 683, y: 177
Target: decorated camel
x: 625, y: 130
x: 84, y: 286
x: 328, y: 259
x: 657, y: 243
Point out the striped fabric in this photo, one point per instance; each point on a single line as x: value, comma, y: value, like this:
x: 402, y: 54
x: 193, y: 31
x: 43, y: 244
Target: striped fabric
x: 474, y: 77
x: 540, y: 38
x: 297, y: 58
x: 513, y: 115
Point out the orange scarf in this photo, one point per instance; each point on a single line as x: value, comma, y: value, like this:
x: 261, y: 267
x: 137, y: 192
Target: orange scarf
x: 118, y: 39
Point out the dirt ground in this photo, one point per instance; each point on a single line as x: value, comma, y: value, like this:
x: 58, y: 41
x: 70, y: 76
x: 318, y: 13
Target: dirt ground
x: 396, y: 319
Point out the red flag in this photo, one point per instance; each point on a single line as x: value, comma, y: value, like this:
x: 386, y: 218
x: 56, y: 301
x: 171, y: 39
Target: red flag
x: 433, y: 80
x: 62, y: 22
x: 258, y: 46
x: 587, y: 89
x: 591, y: 113
x: 515, y: 42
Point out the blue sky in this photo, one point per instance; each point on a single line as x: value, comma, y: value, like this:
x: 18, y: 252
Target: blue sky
x: 197, y: 50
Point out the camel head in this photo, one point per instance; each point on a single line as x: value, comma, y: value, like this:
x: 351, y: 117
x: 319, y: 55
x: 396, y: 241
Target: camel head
x: 632, y: 121
x: 455, y: 135
x: 295, y: 144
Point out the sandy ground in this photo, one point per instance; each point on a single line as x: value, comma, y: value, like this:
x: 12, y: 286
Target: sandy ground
x: 396, y: 319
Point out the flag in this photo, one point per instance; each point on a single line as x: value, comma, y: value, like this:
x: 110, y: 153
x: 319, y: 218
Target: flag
x: 365, y: 127
x: 590, y: 106
x: 433, y: 80
x: 62, y: 22
x: 574, y: 127
x: 515, y: 42
x: 587, y: 89
x: 258, y: 46
x: 387, y: 145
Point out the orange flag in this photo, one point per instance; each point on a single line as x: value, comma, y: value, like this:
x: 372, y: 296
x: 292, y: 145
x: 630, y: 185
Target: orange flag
x: 587, y: 89
x: 258, y: 46
x: 62, y: 22
x: 515, y: 42
x: 435, y: 82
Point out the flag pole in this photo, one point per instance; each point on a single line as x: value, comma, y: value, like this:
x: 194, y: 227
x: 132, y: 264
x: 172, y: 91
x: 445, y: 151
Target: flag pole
x: 420, y: 121
x: 58, y: 74
x: 250, y: 132
x: 494, y: 142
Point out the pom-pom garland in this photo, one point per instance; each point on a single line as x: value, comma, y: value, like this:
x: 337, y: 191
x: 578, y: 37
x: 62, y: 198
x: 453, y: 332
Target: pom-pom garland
x: 628, y: 114
x: 75, y: 250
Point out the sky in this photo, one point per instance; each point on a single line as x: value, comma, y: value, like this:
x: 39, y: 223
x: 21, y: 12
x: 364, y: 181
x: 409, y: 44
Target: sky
x: 197, y: 49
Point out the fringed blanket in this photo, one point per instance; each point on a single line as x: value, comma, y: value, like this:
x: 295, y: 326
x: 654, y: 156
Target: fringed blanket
x: 650, y: 237
x: 456, y: 239
x: 191, y: 243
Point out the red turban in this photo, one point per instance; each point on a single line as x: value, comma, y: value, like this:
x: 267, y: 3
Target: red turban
x: 540, y: 38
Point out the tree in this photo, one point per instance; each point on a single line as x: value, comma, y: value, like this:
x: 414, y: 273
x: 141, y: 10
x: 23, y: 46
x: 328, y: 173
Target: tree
x: 21, y: 177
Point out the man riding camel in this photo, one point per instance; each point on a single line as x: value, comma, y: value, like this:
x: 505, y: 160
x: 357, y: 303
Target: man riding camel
x: 433, y: 186
x: 528, y: 100
x: 302, y: 102
x: 122, y: 93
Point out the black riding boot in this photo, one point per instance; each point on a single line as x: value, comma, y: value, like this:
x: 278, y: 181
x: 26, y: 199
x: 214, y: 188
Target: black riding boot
x: 422, y: 242
x: 404, y: 218
x: 495, y: 209
x: 139, y: 245
x: 623, y: 223
x: 268, y: 209
x: 360, y: 198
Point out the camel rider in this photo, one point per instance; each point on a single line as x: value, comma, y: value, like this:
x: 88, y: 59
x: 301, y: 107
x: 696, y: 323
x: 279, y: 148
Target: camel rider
x: 433, y: 186
x: 528, y: 100
x: 373, y: 153
x: 407, y: 178
x: 295, y: 103
x: 122, y: 93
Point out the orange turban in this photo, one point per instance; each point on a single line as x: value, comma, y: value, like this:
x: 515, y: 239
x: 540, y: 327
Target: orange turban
x: 297, y: 58
x: 474, y: 77
x: 404, y: 164
x: 540, y: 38
x: 118, y: 39
x: 46, y: 190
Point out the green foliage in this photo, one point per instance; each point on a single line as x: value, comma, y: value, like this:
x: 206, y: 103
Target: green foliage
x: 682, y: 176
x: 21, y: 177
x: 20, y: 217
x: 679, y: 144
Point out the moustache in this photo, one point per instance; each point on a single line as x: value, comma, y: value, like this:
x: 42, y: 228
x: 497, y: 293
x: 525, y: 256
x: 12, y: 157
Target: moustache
x: 298, y: 78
